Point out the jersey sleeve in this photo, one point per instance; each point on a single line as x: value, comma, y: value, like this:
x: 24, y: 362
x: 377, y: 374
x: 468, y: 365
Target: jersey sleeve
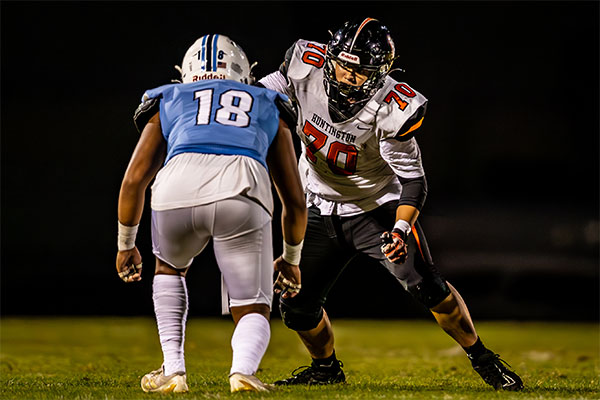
x: 402, y: 111
x: 283, y: 68
x: 275, y: 81
x: 297, y: 68
x: 409, y: 129
x: 142, y: 114
x: 292, y: 67
x: 278, y: 80
x: 149, y: 106
x: 404, y: 158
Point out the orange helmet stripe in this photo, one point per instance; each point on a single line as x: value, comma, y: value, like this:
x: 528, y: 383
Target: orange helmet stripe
x: 362, y: 25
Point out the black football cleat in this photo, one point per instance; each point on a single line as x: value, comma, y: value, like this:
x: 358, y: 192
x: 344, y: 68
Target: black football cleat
x: 495, y: 372
x: 315, y: 375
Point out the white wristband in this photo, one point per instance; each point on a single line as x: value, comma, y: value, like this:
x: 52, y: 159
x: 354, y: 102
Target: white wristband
x: 403, y: 226
x: 291, y: 254
x: 126, y: 237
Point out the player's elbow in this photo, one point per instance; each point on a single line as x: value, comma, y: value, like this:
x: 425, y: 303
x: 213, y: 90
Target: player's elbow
x: 298, y: 210
x: 295, y: 210
x: 133, y: 182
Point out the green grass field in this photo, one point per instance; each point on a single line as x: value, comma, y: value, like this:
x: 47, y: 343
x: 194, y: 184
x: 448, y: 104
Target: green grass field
x: 104, y: 358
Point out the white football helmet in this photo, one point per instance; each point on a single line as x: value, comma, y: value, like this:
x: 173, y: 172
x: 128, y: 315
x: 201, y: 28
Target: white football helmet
x: 216, y: 57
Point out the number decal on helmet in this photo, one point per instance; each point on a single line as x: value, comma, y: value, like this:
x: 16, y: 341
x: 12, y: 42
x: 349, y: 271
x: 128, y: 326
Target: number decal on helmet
x: 314, y: 58
x: 215, y: 56
x: 338, y: 153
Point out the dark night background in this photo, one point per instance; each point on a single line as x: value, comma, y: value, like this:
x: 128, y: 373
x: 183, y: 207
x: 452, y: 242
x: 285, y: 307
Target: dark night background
x: 510, y: 147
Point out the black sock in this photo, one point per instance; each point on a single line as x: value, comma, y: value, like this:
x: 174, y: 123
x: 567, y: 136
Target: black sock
x: 328, y: 362
x: 476, y: 350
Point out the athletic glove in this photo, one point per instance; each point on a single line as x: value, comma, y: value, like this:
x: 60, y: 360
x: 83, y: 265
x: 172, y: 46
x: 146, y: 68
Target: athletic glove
x: 394, y: 246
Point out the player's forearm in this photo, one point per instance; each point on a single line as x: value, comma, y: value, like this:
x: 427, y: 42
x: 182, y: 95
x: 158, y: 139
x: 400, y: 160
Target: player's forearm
x: 145, y: 162
x: 131, y: 203
x: 293, y: 224
x: 407, y: 213
x: 282, y: 164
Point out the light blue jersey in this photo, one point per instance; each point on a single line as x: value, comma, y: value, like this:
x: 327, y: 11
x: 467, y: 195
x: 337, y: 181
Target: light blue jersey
x: 217, y: 117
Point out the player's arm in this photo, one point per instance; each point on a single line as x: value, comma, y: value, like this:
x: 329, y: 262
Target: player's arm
x: 147, y: 158
x: 281, y: 160
x: 412, y: 199
x: 403, y: 155
x: 414, y: 192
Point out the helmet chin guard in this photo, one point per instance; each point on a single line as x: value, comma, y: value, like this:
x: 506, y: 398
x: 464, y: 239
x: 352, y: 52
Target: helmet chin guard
x: 362, y: 45
x: 216, y: 56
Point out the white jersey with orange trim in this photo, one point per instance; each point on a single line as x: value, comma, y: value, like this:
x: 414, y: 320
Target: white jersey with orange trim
x: 350, y: 167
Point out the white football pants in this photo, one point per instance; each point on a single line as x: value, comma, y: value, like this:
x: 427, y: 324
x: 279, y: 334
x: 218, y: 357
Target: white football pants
x: 241, y: 233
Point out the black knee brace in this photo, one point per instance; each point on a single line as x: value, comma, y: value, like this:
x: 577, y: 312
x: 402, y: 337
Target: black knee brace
x: 299, y: 319
x: 430, y: 292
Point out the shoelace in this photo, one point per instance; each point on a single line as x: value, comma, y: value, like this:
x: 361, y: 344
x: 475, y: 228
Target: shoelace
x: 491, y: 367
x: 296, y: 373
x: 497, y: 357
x: 493, y: 357
x: 308, y: 368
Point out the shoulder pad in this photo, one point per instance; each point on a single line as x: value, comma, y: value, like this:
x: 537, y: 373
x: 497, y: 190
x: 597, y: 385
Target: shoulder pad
x: 306, y: 56
x: 287, y: 59
x: 401, y: 110
x: 145, y: 111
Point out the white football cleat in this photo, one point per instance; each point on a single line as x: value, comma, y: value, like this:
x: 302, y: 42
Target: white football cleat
x: 156, y: 381
x: 240, y: 383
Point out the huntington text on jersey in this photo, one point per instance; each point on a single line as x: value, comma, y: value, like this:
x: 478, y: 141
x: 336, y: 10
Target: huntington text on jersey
x: 329, y: 129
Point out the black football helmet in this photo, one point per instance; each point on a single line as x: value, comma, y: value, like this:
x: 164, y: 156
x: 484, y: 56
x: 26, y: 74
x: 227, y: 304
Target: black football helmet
x: 366, y: 47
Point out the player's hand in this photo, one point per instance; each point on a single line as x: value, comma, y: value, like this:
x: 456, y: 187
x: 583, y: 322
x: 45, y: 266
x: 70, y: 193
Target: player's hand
x: 288, y: 279
x: 129, y: 265
x: 394, y: 246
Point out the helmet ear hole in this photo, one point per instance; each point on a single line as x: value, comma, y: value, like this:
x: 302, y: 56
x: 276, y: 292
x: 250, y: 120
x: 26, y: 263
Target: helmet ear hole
x: 215, y: 56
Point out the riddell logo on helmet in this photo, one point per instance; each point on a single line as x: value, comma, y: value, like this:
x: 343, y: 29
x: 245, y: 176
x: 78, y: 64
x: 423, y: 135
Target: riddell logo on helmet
x: 349, y: 57
x: 208, y: 75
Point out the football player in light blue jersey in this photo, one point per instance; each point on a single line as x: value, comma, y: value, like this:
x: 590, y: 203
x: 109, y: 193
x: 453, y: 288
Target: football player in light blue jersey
x: 210, y: 142
x: 217, y: 117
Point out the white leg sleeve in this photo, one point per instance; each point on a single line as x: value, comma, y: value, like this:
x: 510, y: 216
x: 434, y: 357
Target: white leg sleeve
x: 171, y: 306
x: 249, y: 343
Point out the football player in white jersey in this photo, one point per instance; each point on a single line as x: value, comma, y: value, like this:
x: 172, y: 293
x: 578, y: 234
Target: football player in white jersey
x: 211, y: 142
x: 365, y: 185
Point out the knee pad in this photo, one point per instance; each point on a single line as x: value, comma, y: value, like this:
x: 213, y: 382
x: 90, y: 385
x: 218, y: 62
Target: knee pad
x: 299, y: 319
x: 430, y: 292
